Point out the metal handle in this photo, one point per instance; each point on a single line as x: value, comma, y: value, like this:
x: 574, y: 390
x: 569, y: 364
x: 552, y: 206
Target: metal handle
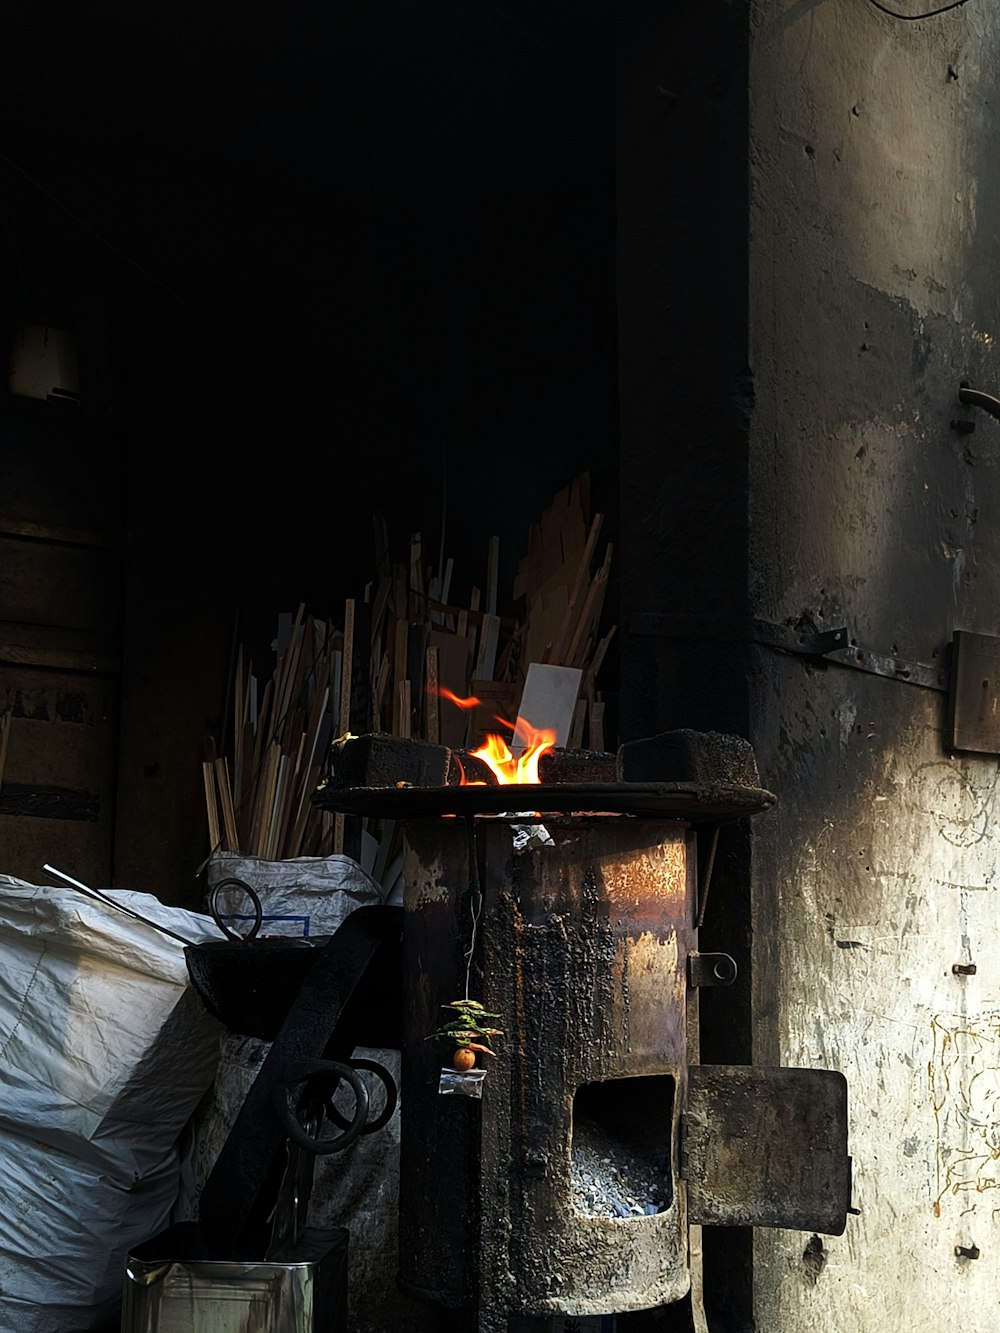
x: 213, y: 907
x: 302, y: 1072
x: 977, y: 398
x: 391, y: 1097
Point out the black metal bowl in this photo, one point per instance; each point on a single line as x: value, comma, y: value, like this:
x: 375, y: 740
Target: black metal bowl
x: 250, y: 986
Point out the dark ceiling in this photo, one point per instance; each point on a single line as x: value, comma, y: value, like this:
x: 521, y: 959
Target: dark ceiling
x: 380, y: 230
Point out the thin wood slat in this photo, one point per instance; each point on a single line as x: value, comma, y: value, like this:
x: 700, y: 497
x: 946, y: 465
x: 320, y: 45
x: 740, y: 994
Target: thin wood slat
x: 231, y: 840
x: 591, y: 611
x: 211, y: 804
x: 575, y: 741
x: 560, y: 654
x: 432, y: 701
x: 595, y: 717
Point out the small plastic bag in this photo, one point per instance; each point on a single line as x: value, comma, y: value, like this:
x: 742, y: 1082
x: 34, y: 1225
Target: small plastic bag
x: 461, y: 1083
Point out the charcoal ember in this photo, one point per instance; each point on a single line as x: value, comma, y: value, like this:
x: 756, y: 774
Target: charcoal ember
x: 465, y: 767
x: 555, y: 766
x: 577, y: 766
x: 381, y: 760
x: 701, y: 758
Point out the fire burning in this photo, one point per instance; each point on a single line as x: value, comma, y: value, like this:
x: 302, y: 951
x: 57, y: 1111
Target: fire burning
x: 508, y: 769
x: 453, y: 698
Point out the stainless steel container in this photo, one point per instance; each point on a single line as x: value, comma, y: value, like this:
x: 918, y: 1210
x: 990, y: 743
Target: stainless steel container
x: 169, y: 1289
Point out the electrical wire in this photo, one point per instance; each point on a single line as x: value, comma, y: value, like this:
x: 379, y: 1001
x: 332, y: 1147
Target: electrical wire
x: 914, y: 18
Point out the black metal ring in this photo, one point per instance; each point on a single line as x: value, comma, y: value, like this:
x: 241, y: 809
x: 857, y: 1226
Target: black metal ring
x: 391, y: 1097
x: 258, y: 910
x: 301, y: 1073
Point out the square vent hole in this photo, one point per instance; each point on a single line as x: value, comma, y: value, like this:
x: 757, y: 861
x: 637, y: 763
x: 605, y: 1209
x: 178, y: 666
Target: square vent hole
x: 621, y: 1147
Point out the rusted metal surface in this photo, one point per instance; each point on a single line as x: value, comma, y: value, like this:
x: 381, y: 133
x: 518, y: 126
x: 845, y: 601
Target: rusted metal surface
x: 582, y: 948
x: 663, y: 800
x: 767, y: 1148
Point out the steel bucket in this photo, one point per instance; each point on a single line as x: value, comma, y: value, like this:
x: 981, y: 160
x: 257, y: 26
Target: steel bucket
x: 171, y: 1287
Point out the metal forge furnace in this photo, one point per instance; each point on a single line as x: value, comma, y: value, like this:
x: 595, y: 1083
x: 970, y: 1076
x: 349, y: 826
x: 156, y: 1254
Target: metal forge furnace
x: 562, y: 1177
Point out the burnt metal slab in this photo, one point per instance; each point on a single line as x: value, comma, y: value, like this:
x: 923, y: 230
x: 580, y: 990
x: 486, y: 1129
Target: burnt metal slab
x: 974, y: 699
x: 651, y: 800
x: 766, y: 1147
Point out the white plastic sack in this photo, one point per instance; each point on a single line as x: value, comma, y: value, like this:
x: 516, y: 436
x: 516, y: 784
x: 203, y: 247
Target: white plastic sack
x: 305, y: 895
x: 105, y: 1052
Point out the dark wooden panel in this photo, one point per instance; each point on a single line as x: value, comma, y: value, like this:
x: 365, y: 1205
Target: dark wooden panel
x: 60, y: 472
x: 58, y: 648
x: 42, y: 583
x: 58, y: 784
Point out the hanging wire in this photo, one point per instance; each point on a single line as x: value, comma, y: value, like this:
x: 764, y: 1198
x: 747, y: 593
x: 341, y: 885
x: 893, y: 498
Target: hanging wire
x: 475, y: 896
x: 914, y: 18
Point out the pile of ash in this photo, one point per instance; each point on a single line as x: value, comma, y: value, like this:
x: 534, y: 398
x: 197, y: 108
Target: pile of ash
x: 610, y: 1180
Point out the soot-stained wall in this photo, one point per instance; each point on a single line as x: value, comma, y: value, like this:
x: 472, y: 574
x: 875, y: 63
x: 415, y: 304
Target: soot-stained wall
x: 875, y: 210
x: 852, y: 293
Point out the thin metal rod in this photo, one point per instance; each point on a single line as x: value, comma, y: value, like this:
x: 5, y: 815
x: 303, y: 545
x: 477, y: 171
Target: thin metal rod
x: 706, y: 881
x: 99, y: 897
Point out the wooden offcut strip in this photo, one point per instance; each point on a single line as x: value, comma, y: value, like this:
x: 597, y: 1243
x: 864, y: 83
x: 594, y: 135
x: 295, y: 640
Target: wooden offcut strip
x: 400, y: 644
x: 265, y: 802
x: 381, y: 686
x: 239, y: 706
x: 346, y: 669
x: 590, y: 615
x: 579, y: 719
x: 344, y: 712
x: 559, y: 654
x: 432, y: 709
x: 232, y: 838
x: 600, y: 652
x: 596, y: 735
x: 404, y: 708
x: 211, y: 806
x: 489, y: 638
x: 287, y: 674
x: 6, y: 718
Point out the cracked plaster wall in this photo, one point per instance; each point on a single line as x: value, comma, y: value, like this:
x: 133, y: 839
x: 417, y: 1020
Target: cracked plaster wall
x: 873, y: 273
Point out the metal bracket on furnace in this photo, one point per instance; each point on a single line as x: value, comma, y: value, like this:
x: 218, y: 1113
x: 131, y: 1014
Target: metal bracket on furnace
x: 711, y: 969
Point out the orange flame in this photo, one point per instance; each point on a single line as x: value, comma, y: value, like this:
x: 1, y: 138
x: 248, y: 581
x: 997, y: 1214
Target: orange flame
x: 508, y: 769
x: 471, y: 702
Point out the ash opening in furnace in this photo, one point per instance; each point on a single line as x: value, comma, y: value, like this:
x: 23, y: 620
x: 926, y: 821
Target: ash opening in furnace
x: 621, y: 1141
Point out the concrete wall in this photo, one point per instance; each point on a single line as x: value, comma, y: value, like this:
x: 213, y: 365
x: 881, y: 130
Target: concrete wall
x: 809, y: 236
x: 875, y: 214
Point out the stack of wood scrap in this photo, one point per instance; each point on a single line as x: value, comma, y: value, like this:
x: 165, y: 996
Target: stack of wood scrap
x: 563, y: 582
x: 410, y: 661
x: 444, y: 672
x: 258, y: 799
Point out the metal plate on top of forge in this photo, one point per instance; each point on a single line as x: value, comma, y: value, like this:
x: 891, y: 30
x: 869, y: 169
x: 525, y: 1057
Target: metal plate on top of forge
x: 650, y: 800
